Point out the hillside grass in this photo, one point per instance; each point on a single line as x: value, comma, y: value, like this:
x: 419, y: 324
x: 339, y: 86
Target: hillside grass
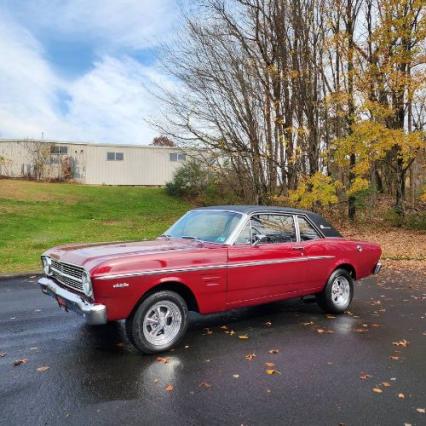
x: 35, y: 216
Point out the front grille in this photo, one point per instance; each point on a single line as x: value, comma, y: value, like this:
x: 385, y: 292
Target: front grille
x: 68, y: 275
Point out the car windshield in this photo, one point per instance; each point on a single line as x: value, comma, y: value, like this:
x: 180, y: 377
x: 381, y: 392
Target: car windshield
x: 206, y: 225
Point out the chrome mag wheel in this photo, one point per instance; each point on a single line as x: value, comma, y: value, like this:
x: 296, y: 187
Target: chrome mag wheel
x: 341, y: 291
x: 162, y: 323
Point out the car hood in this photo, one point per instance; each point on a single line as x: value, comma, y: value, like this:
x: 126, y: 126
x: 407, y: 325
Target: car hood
x: 90, y: 255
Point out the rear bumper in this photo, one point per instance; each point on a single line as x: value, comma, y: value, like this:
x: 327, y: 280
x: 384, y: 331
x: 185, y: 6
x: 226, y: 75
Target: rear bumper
x: 377, y: 268
x: 94, y: 314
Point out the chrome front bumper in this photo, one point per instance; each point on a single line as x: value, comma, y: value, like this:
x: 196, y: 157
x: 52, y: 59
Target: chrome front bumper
x: 377, y: 268
x: 94, y: 314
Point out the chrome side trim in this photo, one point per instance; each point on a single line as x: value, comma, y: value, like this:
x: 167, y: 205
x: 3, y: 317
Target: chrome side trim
x: 212, y: 267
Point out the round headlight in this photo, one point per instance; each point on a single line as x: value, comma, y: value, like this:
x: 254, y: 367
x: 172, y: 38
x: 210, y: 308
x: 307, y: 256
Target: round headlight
x: 46, y: 264
x: 86, y: 284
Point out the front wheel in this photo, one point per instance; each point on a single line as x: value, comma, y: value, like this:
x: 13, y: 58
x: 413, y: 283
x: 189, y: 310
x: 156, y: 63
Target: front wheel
x: 159, y: 322
x: 338, y: 293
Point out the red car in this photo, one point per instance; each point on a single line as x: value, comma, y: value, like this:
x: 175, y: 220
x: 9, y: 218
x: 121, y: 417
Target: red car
x: 212, y: 259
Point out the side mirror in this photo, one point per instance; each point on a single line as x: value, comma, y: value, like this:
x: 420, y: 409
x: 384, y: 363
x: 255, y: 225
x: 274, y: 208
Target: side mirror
x: 259, y: 238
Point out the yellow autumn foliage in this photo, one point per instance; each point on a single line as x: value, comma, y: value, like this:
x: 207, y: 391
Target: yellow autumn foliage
x: 315, y: 190
x: 372, y: 141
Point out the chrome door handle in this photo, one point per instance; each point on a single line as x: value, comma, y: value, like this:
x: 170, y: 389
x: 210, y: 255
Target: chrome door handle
x: 298, y: 248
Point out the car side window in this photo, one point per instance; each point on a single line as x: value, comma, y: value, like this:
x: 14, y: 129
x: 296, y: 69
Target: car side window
x: 269, y: 228
x: 307, y: 232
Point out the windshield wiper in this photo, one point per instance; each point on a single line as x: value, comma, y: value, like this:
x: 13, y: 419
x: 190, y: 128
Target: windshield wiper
x: 189, y: 237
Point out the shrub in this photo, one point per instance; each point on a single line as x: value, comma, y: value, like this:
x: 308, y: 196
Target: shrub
x: 191, y: 180
x: 202, y: 184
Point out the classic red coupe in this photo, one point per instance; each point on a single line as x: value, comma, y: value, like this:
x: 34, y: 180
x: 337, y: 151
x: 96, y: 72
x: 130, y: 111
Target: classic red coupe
x: 212, y: 259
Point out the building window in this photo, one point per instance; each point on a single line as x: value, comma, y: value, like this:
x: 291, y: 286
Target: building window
x: 59, y: 149
x: 174, y: 156
x: 115, y: 156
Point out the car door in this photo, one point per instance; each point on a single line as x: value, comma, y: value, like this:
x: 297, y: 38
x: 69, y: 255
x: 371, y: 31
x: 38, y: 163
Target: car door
x: 265, y: 262
x: 318, y: 251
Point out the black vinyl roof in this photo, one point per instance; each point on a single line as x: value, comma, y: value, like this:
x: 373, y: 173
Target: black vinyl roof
x: 323, y: 225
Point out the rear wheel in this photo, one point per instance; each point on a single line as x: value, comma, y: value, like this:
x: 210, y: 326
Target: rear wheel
x: 159, y: 322
x: 338, y: 293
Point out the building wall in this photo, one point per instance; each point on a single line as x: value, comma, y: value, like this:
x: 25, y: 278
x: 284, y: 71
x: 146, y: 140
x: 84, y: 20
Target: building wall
x: 18, y: 159
x: 140, y: 165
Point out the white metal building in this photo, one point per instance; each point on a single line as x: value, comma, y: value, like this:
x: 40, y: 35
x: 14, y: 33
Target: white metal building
x: 89, y: 163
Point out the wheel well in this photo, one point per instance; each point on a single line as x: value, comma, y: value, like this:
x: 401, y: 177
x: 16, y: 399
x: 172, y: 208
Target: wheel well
x: 178, y: 288
x: 348, y: 267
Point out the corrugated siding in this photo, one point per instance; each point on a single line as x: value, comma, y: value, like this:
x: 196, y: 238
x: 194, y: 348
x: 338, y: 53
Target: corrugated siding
x: 18, y: 160
x: 140, y: 166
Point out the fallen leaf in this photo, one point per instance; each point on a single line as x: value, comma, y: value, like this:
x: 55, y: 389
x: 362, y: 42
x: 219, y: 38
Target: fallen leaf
x: 186, y: 346
x: 163, y: 360
x: 224, y: 327
x: 377, y: 390
x: 243, y: 336
x: 20, y: 362
x: 308, y: 323
x: 360, y: 330
x: 386, y: 384
x: 324, y: 330
x: 273, y: 351
x: 42, y: 369
x: 421, y: 410
x: 394, y: 358
x: 156, y: 380
x: 268, y: 323
x: 269, y: 364
x: 235, y: 376
x: 3, y: 354
x: 401, y: 343
x: 169, y: 388
x: 365, y: 376
x: 330, y: 317
x: 250, y: 357
x: 231, y: 332
x: 205, y: 385
x: 401, y: 396
x: 272, y: 372
x: 207, y: 332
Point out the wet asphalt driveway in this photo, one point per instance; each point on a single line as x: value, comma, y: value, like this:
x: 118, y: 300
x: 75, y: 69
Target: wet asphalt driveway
x: 324, y: 369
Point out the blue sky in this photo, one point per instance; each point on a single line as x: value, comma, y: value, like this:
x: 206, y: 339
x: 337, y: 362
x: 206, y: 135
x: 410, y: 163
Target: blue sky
x: 79, y: 69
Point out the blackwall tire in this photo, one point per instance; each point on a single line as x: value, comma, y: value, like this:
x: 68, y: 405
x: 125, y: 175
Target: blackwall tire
x: 159, y: 322
x: 338, y: 292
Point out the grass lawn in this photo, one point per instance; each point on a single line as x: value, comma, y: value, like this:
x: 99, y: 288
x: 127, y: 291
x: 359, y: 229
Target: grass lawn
x: 35, y: 216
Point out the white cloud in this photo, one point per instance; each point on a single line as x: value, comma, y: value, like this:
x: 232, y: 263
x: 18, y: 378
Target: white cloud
x: 125, y: 23
x: 110, y: 103
x: 27, y: 85
x: 107, y: 104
